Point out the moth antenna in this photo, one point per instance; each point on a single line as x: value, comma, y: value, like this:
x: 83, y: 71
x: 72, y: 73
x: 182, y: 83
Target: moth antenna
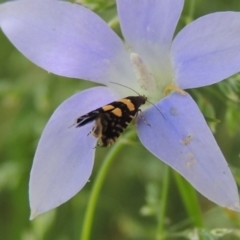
x: 156, y: 108
x: 138, y: 95
x: 126, y: 87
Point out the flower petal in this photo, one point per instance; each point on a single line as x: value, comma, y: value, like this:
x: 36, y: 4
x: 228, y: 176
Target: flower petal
x: 66, y: 39
x: 207, y: 50
x: 148, y: 28
x: 64, y: 158
x: 183, y: 140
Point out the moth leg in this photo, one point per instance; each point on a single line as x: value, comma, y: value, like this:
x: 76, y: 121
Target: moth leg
x: 99, y: 144
x: 96, y: 146
x: 142, y: 117
x: 96, y: 130
x: 90, y: 132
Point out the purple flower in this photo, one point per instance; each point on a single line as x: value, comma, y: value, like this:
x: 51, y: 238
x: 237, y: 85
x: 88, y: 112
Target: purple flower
x: 69, y: 40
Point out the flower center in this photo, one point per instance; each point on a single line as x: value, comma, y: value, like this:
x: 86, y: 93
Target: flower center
x: 152, y: 79
x: 144, y: 77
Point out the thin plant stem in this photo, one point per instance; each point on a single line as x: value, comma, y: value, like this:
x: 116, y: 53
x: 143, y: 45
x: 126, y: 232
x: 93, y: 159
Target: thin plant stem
x: 190, y: 200
x: 97, y: 186
x: 192, y: 9
x: 163, y: 203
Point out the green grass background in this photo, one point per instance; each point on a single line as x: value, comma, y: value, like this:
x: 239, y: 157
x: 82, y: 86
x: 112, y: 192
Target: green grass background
x: 128, y: 207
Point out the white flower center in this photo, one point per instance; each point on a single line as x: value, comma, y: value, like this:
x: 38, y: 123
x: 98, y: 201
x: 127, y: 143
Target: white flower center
x: 144, y: 77
x: 152, y: 79
x: 150, y: 72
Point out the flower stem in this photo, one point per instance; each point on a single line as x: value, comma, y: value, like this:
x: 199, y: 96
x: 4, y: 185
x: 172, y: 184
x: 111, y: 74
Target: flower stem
x: 190, y: 15
x: 190, y: 200
x: 160, y: 228
x: 88, y: 218
x: 192, y: 9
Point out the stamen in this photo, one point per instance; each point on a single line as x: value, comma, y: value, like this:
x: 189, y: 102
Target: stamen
x: 173, y: 87
x: 144, y: 77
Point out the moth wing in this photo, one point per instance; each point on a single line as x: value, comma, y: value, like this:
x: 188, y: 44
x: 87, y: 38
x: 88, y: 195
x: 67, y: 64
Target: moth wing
x: 112, y: 127
x: 89, y: 117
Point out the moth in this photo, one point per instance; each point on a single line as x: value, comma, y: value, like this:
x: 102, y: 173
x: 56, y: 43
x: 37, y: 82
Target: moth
x: 112, y: 119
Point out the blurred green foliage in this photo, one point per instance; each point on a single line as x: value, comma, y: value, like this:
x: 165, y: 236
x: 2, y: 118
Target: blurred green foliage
x: 128, y: 206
